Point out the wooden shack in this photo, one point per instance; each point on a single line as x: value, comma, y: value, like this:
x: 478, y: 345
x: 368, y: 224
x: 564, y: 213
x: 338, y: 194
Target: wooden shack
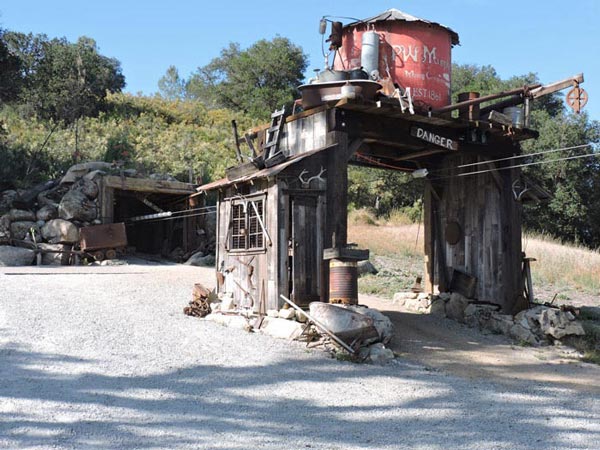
x: 277, y: 224
x: 273, y: 224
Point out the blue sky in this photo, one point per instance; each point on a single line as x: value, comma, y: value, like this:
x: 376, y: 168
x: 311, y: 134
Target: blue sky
x: 555, y: 39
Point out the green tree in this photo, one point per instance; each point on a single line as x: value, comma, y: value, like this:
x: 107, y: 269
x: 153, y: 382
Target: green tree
x: 171, y: 86
x: 11, y: 78
x: 255, y: 81
x: 64, y: 81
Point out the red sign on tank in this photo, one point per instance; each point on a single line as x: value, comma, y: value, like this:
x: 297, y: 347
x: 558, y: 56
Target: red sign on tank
x: 414, y: 55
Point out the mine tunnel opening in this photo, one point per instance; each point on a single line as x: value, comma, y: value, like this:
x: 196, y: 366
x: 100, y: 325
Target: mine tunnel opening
x: 159, y: 236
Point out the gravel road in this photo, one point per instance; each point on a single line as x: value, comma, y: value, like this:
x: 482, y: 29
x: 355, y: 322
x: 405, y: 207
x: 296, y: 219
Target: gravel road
x: 103, y: 358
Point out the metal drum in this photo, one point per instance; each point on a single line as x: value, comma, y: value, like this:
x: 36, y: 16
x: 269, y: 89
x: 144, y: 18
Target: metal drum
x: 343, y: 282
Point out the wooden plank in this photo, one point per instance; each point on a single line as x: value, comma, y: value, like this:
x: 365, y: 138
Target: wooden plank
x: 428, y: 250
x: 147, y: 185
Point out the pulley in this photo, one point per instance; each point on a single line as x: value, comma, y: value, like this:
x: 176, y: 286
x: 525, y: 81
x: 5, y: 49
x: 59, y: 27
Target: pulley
x: 577, y: 98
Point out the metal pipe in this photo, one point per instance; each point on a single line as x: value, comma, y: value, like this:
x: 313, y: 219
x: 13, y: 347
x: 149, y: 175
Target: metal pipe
x: 485, y: 98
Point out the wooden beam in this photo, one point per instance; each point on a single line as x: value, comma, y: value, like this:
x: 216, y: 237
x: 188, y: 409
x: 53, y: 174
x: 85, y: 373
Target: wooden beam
x: 557, y: 86
x: 428, y: 250
x: 147, y: 185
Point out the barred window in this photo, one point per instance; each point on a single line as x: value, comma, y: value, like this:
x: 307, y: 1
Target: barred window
x: 255, y: 232
x: 246, y: 229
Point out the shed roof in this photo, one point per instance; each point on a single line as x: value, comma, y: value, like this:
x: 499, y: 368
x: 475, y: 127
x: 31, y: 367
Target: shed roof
x: 263, y: 173
x: 395, y: 14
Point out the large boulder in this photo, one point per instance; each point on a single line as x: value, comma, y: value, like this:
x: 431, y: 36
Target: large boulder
x: 52, y: 254
x: 47, y: 213
x: 523, y: 335
x: 455, y: 308
x: 4, y: 228
x: 377, y: 354
x: 26, y: 198
x: 59, y: 231
x: 21, y: 215
x: 15, y: 256
x: 438, y: 307
x: 76, y: 205
x: 558, y: 324
x: 88, y: 187
x: 79, y: 170
x: 53, y: 196
x: 281, y: 328
x: 6, y: 200
x: 201, y: 260
x: 20, y: 230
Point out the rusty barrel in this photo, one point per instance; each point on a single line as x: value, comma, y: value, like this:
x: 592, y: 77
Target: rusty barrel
x: 343, y: 282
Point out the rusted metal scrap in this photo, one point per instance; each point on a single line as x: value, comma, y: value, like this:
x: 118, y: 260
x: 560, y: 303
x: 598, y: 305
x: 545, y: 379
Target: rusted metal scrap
x: 199, y: 306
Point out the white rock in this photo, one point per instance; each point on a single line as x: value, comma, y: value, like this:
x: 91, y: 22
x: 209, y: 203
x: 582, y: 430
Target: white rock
x: 438, y: 307
x: 273, y: 313
x: 522, y: 334
x: 281, y: 328
x: 423, y: 296
x: 401, y: 297
x: 229, y: 320
x: 455, y: 308
x: 378, y: 354
x: 79, y: 170
x: 15, y: 256
x: 288, y: 314
x: 556, y: 323
x: 301, y: 317
x: 60, y: 231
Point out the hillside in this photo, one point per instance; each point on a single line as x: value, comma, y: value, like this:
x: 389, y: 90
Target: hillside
x: 572, y: 273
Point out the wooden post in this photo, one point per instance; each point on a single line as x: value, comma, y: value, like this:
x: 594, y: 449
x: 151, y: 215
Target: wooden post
x: 428, y: 239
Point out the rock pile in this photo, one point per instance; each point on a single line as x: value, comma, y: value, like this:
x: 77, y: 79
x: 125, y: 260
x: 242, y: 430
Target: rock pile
x: 536, y: 326
x: 49, y: 216
x: 287, y: 323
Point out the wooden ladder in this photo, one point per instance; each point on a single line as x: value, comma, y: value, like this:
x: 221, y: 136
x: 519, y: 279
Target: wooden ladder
x: 272, y: 155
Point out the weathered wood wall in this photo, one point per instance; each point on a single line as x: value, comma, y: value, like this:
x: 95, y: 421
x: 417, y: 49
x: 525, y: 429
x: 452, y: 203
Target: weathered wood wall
x: 490, y: 219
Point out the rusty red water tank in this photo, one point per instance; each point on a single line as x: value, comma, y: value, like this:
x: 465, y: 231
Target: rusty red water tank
x: 412, y: 52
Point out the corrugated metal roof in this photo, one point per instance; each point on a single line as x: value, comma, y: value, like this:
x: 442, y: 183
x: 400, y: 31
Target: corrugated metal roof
x: 263, y: 173
x: 395, y: 14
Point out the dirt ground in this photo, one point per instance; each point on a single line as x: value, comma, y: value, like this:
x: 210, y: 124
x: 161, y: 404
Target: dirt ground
x: 445, y: 345
x: 103, y: 357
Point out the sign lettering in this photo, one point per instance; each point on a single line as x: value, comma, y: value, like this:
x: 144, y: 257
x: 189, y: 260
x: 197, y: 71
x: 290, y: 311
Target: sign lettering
x: 433, y: 138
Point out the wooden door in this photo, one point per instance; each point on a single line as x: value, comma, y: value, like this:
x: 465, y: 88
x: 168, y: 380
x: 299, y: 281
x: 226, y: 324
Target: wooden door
x: 305, y: 251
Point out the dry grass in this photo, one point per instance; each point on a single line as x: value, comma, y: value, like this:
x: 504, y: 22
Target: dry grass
x: 559, y: 268
x: 563, y: 265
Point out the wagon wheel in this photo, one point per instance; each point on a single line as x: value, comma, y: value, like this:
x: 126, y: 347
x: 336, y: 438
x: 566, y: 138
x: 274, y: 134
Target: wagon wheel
x: 577, y: 98
x: 111, y: 253
x: 98, y: 255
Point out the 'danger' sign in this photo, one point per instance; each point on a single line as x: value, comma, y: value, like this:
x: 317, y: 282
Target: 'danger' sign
x: 433, y: 138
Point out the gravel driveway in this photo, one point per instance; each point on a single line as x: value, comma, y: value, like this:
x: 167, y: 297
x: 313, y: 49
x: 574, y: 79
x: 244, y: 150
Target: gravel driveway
x: 103, y: 358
